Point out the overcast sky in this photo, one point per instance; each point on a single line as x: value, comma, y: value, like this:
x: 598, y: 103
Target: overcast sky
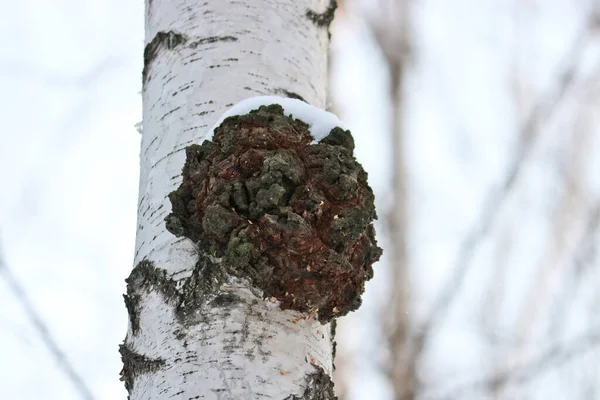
x: 70, y: 73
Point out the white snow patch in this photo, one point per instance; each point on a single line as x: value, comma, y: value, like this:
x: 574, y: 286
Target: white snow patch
x: 320, y: 122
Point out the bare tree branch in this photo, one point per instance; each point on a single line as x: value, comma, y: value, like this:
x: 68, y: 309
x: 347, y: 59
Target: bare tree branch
x: 555, y: 356
x: 565, y: 220
x: 583, y: 255
x: 391, y: 31
x: 528, y: 134
x: 42, y: 329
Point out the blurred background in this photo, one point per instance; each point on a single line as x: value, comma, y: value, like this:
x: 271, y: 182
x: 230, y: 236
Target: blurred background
x: 478, y: 123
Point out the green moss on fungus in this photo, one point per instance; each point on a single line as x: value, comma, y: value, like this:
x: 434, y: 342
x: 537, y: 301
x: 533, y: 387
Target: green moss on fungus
x: 293, y: 217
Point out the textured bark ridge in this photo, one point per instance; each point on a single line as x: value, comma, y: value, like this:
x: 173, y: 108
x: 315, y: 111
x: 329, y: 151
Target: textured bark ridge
x: 188, y: 295
x: 168, y: 40
x: 135, y: 364
x: 293, y: 217
x: 319, y: 386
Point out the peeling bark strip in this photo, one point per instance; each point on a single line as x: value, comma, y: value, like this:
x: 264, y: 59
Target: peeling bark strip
x: 135, y: 364
x: 168, y: 40
x: 293, y: 217
x: 319, y: 386
x: 324, y: 19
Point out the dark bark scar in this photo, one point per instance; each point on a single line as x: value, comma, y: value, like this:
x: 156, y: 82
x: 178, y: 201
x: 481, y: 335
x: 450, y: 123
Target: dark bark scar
x: 291, y: 95
x: 135, y: 364
x: 324, y: 19
x: 319, y: 386
x: 168, y: 40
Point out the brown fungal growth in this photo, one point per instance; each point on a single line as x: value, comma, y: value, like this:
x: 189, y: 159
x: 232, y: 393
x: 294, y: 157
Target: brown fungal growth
x: 293, y: 217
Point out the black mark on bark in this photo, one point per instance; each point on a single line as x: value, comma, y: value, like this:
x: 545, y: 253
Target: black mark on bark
x: 203, y: 113
x: 188, y: 295
x: 319, y: 386
x: 168, y: 40
x: 212, y: 39
x: 132, y: 303
x: 323, y: 20
x: 225, y: 300
x: 145, y: 275
x: 135, y: 364
x: 333, y: 342
x: 291, y: 95
x: 205, y: 281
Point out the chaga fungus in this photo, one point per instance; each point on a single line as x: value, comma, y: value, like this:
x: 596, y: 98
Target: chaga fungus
x: 293, y: 217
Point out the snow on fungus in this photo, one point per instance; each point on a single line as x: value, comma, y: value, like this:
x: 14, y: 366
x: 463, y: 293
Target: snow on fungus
x: 320, y: 122
x: 291, y: 215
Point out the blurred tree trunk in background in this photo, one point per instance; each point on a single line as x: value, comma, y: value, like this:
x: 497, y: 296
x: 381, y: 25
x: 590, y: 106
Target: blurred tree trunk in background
x: 389, y: 23
x: 391, y: 31
x: 495, y: 221
x: 200, y: 59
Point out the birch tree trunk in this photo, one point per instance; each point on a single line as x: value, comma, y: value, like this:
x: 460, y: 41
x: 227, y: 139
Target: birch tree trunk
x: 200, y: 58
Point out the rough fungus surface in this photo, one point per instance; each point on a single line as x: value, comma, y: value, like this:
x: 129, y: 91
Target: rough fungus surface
x: 293, y: 217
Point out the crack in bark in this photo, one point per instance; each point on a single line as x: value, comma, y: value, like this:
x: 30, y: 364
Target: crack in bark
x: 135, y: 364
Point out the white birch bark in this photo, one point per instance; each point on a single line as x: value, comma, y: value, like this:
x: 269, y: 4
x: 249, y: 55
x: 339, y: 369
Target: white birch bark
x: 201, y: 57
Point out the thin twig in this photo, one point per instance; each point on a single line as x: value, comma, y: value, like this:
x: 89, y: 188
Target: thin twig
x: 549, y: 268
x: 583, y: 256
x: 553, y: 357
x: 42, y: 329
x: 528, y: 134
